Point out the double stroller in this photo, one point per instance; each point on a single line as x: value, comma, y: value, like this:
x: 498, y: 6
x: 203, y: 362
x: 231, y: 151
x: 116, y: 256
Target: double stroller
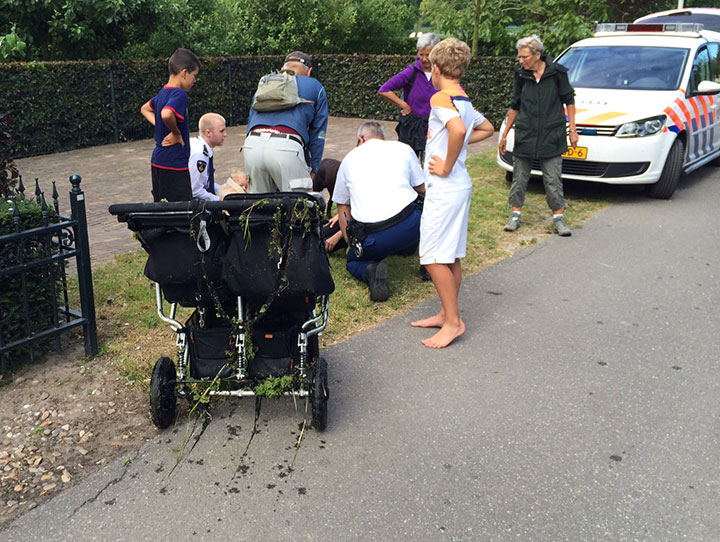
x: 254, y: 269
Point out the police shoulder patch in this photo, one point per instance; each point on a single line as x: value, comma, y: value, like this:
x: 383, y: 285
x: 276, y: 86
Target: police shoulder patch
x: 201, y: 165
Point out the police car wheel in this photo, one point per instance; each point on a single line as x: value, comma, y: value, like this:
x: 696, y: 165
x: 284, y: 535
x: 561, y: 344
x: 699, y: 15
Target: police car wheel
x: 670, y: 176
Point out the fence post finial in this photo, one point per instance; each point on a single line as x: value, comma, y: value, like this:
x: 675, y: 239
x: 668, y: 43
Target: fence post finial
x: 75, y: 180
x: 37, y: 190
x: 56, y: 197
x: 16, y: 214
x: 21, y: 187
x: 44, y: 209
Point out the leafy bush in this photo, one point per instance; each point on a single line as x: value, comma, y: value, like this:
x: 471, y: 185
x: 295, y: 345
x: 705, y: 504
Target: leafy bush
x: 39, y: 282
x: 8, y: 170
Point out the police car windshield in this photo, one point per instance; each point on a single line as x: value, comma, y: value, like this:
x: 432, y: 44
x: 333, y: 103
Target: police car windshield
x: 625, y: 67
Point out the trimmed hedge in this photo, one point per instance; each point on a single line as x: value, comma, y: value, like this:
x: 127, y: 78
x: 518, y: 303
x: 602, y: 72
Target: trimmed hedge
x: 68, y: 105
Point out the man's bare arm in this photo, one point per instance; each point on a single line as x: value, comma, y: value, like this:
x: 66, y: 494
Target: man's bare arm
x: 343, y: 217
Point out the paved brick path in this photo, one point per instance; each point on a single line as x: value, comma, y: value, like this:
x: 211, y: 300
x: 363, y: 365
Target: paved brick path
x: 120, y: 173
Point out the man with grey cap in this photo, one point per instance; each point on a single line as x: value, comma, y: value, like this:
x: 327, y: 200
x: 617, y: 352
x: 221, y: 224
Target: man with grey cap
x: 283, y: 148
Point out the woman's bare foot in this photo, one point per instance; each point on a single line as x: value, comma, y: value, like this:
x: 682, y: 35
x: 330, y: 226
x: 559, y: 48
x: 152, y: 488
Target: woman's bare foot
x: 445, y: 336
x: 434, y: 321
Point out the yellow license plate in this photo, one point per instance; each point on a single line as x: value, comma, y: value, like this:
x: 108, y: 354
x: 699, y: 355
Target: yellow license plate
x: 578, y: 153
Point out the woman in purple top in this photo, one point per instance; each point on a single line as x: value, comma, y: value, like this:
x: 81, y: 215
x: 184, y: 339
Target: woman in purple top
x: 416, y: 84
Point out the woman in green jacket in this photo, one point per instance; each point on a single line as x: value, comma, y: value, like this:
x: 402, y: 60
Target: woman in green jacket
x: 540, y: 89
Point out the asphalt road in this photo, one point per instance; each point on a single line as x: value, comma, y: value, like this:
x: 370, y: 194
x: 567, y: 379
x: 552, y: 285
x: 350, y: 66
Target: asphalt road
x: 581, y: 405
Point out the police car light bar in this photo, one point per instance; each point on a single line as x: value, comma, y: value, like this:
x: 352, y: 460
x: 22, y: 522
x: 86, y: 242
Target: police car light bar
x: 648, y: 27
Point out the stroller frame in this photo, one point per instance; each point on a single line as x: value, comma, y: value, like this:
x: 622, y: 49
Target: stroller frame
x: 319, y: 321
x: 197, y: 253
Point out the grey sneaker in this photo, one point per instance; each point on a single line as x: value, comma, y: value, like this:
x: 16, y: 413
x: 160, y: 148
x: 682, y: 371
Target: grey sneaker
x: 513, y: 222
x: 560, y: 227
x: 376, y: 275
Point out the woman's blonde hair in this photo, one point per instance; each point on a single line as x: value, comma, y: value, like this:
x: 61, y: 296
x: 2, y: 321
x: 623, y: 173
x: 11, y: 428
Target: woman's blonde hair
x: 451, y: 56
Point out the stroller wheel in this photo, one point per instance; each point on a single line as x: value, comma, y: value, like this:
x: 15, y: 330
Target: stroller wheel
x: 313, y: 348
x: 319, y: 395
x: 162, y: 393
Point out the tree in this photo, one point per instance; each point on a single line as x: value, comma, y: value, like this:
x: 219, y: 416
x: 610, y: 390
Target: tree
x: 493, y: 26
x: 68, y: 29
x: 560, y: 23
x: 89, y: 29
x: 169, y: 24
x: 382, y: 27
x: 480, y: 22
x: 234, y: 27
x: 278, y: 26
x: 12, y: 47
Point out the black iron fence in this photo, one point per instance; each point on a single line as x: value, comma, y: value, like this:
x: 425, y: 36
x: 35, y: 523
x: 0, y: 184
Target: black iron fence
x: 34, y: 304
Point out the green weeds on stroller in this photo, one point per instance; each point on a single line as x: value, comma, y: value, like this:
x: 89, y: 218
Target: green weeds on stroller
x: 255, y: 272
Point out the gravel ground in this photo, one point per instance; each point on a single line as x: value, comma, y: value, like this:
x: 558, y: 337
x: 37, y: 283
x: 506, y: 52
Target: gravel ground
x: 62, y: 419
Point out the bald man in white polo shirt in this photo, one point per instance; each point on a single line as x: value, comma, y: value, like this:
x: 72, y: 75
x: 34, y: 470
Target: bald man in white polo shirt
x: 377, y: 188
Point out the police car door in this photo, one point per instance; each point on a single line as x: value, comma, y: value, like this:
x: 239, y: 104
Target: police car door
x: 704, y: 139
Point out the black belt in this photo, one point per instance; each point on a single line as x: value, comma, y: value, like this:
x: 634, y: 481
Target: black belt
x: 291, y: 137
x: 385, y: 224
x: 357, y: 231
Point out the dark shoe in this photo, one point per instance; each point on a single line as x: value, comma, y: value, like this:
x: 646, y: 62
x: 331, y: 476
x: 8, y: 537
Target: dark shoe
x: 376, y: 275
x: 409, y: 251
x: 513, y: 222
x: 560, y: 227
x: 424, y: 274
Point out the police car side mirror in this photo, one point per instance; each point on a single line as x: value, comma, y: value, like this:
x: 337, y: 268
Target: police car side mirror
x: 707, y: 88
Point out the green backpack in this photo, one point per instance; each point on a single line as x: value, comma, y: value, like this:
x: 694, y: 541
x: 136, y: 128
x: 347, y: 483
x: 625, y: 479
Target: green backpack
x: 278, y: 91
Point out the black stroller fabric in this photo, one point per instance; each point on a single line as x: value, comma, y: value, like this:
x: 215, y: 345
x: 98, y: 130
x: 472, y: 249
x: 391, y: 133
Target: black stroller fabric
x: 262, y: 246
x: 256, y: 264
x: 210, y: 352
x: 275, y: 337
x: 276, y: 352
x: 175, y: 263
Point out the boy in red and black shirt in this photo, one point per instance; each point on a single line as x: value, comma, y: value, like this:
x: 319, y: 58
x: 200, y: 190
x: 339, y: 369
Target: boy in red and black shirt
x: 168, y: 113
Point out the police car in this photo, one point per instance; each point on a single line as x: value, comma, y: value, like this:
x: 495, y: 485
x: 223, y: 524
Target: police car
x: 646, y: 98
x: 708, y: 17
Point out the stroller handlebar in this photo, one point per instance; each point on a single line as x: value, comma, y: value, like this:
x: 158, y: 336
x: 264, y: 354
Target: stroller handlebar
x: 232, y: 203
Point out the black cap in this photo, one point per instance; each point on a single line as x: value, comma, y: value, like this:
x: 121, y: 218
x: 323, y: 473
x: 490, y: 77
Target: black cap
x: 299, y: 56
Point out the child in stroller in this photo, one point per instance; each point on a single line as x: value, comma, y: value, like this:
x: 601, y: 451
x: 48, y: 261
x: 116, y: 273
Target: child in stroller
x: 254, y: 269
